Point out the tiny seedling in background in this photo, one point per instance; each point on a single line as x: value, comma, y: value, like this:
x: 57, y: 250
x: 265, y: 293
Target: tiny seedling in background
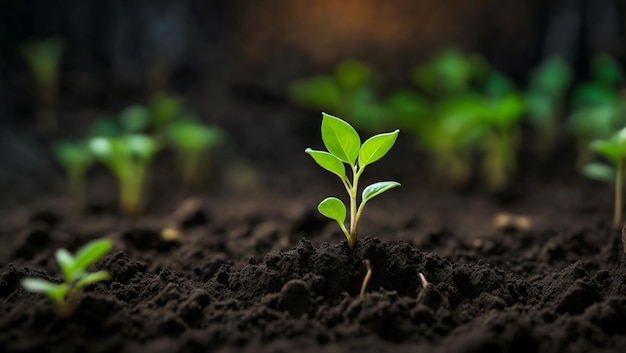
x: 128, y: 157
x: 544, y: 101
x: 598, y: 108
x: 502, y: 112
x: 76, y: 158
x: 44, y: 60
x: 344, y: 147
x: 350, y: 92
x: 193, y: 142
x: 75, y: 275
x: 612, y: 149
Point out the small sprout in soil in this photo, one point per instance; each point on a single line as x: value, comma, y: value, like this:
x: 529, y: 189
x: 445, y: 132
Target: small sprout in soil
x: 344, y: 146
x: 194, y: 143
x: 76, y: 159
x: 44, y: 59
x: 367, y: 278
x: 613, y: 149
x: 75, y: 275
x: 128, y: 158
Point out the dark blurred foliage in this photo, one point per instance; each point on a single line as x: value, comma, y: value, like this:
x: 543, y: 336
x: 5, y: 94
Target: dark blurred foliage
x: 115, y: 50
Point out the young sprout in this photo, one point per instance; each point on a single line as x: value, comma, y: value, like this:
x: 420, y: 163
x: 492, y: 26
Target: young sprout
x: 193, y: 142
x: 128, y: 157
x: 344, y: 146
x: 75, y: 275
x: 613, y: 149
x: 44, y: 59
x: 76, y: 159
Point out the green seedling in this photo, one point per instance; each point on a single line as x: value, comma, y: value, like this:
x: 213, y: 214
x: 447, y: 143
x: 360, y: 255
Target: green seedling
x: 344, y: 147
x: 44, y: 60
x: 128, y: 157
x: 613, y: 149
x: 500, y: 118
x: 598, y: 106
x: 75, y: 276
x: 76, y: 158
x: 193, y: 142
x: 544, y: 101
x: 349, y: 92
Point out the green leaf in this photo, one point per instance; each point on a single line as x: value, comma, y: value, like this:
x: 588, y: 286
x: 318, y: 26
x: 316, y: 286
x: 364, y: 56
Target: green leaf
x: 93, y: 278
x: 377, y: 189
x: 91, y: 252
x: 608, y: 149
x: 333, y: 208
x: 55, y: 292
x: 340, y: 138
x: 376, y: 147
x: 600, y: 171
x: 66, y: 263
x: 328, y: 162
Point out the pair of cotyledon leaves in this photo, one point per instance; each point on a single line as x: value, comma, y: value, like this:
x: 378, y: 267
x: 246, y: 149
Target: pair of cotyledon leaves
x: 74, y: 269
x: 344, y: 146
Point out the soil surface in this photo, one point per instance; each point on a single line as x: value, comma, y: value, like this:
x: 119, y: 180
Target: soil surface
x: 256, y: 269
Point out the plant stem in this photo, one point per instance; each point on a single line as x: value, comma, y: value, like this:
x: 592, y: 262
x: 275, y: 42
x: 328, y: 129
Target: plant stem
x: 354, y: 216
x: 619, y: 180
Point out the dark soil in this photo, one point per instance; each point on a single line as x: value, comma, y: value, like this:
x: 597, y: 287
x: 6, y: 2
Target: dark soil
x: 256, y: 269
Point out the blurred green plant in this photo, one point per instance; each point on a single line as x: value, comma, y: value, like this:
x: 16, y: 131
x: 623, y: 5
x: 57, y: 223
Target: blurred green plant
x: 75, y: 275
x: 613, y: 150
x: 128, y: 157
x: 193, y: 142
x: 344, y: 147
x: 43, y: 58
x: 76, y: 159
x: 350, y: 92
x: 598, y: 107
x: 473, y: 111
x: 450, y: 72
x: 544, y: 101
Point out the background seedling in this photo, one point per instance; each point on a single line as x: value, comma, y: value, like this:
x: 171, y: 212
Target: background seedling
x: 613, y: 150
x: 503, y: 109
x: 128, y: 157
x: 344, y: 147
x: 75, y: 275
x: 193, y: 142
x: 44, y: 60
x: 350, y: 92
x: 544, y: 101
x: 76, y: 158
x: 598, y: 106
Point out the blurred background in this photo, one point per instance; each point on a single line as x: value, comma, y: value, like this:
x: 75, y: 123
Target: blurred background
x: 233, y: 63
